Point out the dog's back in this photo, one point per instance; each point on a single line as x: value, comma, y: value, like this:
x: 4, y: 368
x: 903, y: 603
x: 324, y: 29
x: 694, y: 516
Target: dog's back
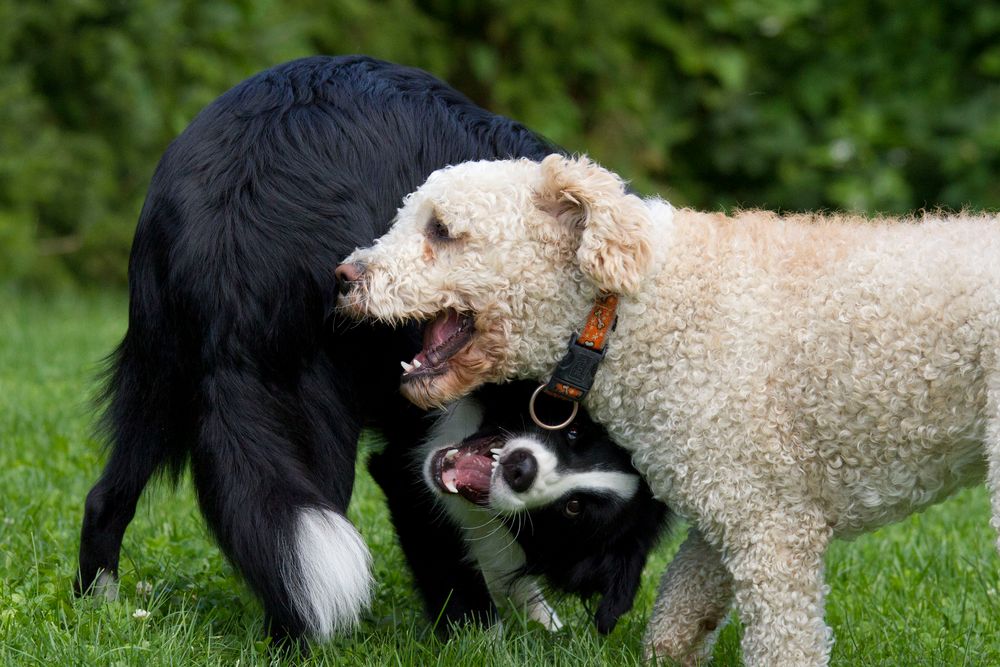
x: 876, y: 335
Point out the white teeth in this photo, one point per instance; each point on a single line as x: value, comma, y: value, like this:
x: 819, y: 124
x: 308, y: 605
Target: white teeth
x: 451, y: 486
x: 496, y: 451
x: 410, y: 367
x: 450, y: 454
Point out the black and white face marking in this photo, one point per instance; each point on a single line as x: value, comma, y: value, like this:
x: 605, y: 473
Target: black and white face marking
x: 529, y: 473
x: 488, y: 465
x: 490, y: 543
x: 566, y: 506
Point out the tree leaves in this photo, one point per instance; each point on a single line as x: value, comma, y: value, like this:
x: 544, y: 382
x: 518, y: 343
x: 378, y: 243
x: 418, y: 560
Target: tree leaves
x: 871, y: 106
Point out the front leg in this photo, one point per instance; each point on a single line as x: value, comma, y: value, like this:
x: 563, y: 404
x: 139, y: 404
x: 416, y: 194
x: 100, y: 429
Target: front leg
x: 694, y: 597
x: 501, y: 560
x: 777, y: 574
x: 525, y: 594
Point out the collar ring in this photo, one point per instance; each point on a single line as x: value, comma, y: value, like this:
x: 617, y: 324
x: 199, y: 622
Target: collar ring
x: 539, y: 422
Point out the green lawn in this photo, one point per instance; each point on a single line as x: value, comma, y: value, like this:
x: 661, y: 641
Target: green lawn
x: 922, y: 592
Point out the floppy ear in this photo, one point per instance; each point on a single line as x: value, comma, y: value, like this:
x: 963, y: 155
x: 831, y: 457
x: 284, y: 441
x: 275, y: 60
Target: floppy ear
x: 615, y: 246
x: 622, y: 585
x: 626, y: 559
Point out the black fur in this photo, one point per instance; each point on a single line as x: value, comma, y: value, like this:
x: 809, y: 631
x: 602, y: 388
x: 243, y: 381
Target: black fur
x: 231, y: 361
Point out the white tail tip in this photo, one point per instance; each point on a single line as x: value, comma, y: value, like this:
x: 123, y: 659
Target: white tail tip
x: 332, y: 583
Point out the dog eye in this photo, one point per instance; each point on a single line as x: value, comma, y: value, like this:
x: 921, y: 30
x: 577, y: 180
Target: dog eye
x: 572, y: 508
x: 436, y: 229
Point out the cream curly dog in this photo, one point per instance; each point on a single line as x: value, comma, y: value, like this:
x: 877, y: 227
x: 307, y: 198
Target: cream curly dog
x: 780, y: 381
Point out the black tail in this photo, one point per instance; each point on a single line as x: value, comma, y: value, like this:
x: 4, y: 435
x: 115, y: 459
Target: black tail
x: 295, y: 549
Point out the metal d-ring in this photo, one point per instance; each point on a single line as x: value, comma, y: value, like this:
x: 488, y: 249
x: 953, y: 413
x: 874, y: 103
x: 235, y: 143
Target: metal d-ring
x: 550, y: 427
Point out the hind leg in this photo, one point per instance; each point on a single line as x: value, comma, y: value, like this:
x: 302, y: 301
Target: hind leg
x: 452, y: 589
x: 109, y: 509
x: 143, y: 425
x: 695, y: 595
x: 992, y: 446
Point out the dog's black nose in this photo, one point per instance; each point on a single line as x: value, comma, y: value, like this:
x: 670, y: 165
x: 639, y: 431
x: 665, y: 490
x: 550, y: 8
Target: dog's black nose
x: 347, y: 274
x: 519, y: 469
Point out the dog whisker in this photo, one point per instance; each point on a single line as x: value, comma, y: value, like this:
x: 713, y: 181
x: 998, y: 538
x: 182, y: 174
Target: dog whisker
x: 508, y: 543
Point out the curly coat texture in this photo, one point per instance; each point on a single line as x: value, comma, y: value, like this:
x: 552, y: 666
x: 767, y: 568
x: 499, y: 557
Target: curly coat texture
x: 780, y: 381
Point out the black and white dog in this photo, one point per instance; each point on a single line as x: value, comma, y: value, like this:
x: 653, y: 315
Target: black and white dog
x: 566, y: 506
x: 232, y: 363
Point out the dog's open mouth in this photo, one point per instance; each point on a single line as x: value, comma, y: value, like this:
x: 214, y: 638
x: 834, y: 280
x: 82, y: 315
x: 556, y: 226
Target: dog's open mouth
x: 444, y: 337
x: 467, y: 468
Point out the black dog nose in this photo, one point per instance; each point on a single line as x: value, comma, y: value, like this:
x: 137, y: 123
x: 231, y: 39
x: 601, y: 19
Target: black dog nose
x: 347, y: 274
x: 519, y: 469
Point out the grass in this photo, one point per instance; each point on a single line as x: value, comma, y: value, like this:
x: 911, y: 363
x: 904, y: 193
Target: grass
x: 922, y: 592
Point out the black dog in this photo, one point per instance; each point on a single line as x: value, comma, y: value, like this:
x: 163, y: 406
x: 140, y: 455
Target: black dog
x: 231, y: 361
x: 567, y: 505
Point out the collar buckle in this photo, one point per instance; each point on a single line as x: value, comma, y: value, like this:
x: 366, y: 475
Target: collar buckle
x: 574, y: 376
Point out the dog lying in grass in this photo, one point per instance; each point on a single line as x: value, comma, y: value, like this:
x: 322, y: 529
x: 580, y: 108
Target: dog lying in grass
x: 563, y: 506
x: 779, y: 381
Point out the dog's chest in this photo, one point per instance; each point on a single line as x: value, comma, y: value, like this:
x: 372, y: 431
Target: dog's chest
x: 678, y: 466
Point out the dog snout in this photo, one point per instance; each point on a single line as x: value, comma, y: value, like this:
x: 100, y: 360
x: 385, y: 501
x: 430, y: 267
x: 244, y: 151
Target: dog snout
x: 519, y: 469
x: 348, y: 274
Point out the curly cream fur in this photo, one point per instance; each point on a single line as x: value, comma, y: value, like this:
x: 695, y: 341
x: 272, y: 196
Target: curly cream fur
x: 780, y: 381
x: 692, y: 604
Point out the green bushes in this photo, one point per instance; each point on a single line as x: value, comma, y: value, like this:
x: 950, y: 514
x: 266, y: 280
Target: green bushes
x: 796, y: 104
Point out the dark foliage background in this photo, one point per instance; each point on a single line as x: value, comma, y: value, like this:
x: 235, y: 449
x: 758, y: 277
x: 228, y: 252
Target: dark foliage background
x: 794, y: 104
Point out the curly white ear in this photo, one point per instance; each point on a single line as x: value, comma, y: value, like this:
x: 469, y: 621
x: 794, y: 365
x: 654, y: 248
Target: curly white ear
x: 615, y: 245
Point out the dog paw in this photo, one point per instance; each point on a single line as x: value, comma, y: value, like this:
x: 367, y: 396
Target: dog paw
x: 105, y: 586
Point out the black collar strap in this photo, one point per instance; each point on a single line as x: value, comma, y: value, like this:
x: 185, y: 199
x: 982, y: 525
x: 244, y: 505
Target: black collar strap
x: 574, y: 376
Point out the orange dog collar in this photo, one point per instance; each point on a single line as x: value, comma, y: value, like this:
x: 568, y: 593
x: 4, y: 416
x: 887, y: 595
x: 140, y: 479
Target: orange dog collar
x: 574, y: 376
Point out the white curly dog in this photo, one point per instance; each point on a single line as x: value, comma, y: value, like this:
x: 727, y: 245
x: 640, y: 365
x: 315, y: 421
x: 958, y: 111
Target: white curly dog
x: 780, y: 381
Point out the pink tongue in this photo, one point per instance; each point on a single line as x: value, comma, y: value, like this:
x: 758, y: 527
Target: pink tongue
x: 441, y: 329
x: 472, y: 476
